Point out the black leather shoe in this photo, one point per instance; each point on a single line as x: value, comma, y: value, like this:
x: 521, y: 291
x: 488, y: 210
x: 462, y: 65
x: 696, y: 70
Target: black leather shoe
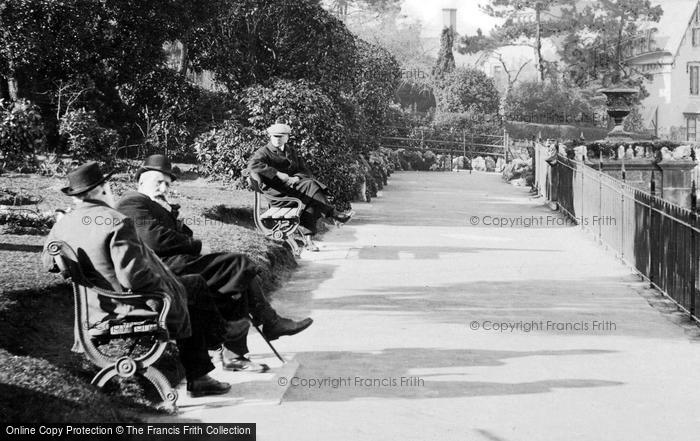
x: 285, y: 326
x: 236, y: 329
x: 206, y: 385
x: 343, y: 217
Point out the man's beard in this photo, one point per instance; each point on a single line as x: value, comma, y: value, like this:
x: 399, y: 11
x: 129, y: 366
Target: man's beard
x: 162, y: 201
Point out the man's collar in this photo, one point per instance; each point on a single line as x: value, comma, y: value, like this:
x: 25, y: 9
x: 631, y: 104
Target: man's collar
x: 87, y: 201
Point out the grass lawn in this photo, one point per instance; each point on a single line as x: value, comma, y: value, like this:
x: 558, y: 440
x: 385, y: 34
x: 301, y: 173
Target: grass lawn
x: 41, y: 380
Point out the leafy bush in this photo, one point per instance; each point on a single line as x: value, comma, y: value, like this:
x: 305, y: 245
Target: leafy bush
x: 224, y: 151
x: 319, y: 132
x: 374, y: 90
x: 12, y: 197
x: 21, y: 133
x: 467, y: 90
x: 551, y: 102
x: 85, y: 138
x: 25, y: 221
x: 249, y: 42
x: 429, y: 159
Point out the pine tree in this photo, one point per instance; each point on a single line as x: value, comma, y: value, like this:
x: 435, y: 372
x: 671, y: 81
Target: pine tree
x: 446, y: 59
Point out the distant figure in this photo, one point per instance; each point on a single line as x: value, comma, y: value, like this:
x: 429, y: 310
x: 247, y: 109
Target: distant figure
x: 283, y: 173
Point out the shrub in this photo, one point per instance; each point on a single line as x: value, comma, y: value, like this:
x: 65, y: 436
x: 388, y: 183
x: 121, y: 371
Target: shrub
x: 171, y: 111
x: 21, y: 134
x: 25, y: 221
x: 12, y: 197
x: 375, y: 86
x: 467, y: 90
x: 319, y: 132
x: 550, y: 102
x: 85, y: 138
x: 429, y: 159
x: 224, y: 151
x: 412, y: 159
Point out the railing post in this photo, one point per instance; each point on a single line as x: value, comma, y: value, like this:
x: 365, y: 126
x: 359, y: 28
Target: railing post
x: 650, y: 232
x: 471, y: 151
x: 693, y: 197
x: 693, y: 263
x: 583, y: 190
x: 622, y: 222
x: 600, y: 207
x: 464, y: 147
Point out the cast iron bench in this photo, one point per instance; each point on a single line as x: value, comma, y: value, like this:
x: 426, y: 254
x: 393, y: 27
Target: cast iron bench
x: 139, y: 325
x: 278, y: 223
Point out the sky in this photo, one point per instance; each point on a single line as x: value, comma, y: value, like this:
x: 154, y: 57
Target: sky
x: 429, y: 12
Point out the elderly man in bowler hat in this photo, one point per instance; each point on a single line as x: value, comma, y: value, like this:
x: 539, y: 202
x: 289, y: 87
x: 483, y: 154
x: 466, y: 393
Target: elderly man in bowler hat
x: 115, y: 258
x: 284, y: 173
x: 228, y: 275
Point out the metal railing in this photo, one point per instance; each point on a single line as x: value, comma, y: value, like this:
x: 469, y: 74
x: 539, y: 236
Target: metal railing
x: 656, y: 238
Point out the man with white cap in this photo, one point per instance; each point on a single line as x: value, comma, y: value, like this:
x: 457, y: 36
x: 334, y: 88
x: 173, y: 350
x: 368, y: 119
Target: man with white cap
x: 283, y: 172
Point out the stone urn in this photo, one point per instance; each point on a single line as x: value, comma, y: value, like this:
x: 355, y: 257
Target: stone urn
x: 619, y: 106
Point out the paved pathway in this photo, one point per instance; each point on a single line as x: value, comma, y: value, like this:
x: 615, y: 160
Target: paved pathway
x: 412, y: 290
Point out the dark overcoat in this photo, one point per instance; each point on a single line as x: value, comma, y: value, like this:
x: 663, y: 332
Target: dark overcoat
x: 113, y: 257
x: 268, y: 160
x: 173, y: 241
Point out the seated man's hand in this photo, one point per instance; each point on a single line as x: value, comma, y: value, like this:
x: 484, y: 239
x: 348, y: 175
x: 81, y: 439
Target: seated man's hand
x: 284, y: 177
x: 293, y: 180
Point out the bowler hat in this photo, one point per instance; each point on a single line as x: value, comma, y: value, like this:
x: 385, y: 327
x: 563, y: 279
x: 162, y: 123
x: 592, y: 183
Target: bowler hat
x: 159, y: 163
x: 84, y: 178
x: 279, y: 129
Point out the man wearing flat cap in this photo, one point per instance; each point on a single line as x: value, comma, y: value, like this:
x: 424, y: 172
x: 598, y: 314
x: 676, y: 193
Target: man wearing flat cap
x: 228, y: 275
x: 282, y: 172
x: 113, y: 257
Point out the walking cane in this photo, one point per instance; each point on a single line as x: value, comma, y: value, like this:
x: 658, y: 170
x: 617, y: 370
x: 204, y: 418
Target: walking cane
x: 257, y: 328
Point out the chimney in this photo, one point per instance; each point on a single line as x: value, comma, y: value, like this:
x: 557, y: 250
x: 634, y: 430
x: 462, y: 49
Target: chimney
x: 449, y: 19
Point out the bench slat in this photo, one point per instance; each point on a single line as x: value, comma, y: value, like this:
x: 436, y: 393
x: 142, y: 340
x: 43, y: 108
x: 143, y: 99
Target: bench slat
x: 270, y: 213
x: 280, y: 213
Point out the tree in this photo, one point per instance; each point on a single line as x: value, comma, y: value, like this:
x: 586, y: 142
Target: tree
x: 529, y: 22
x: 596, y: 54
x: 345, y: 9
x: 549, y: 103
x: 252, y: 41
x: 446, y: 60
x: 55, y: 52
x: 511, y: 73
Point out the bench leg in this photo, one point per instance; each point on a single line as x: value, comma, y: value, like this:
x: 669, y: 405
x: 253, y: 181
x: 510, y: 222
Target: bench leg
x: 104, y: 376
x: 126, y: 367
x: 162, y: 385
x: 296, y: 250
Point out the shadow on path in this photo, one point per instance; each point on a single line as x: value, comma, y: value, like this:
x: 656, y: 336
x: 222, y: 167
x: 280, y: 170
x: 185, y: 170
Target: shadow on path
x: 380, y: 374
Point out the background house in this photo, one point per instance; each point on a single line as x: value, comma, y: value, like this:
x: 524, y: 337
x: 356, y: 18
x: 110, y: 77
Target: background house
x: 669, y: 51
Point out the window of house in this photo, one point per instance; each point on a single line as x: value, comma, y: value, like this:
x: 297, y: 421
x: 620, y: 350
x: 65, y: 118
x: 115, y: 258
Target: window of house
x: 694, y: 72
x: 696, y: 36
x: 691, y: 124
